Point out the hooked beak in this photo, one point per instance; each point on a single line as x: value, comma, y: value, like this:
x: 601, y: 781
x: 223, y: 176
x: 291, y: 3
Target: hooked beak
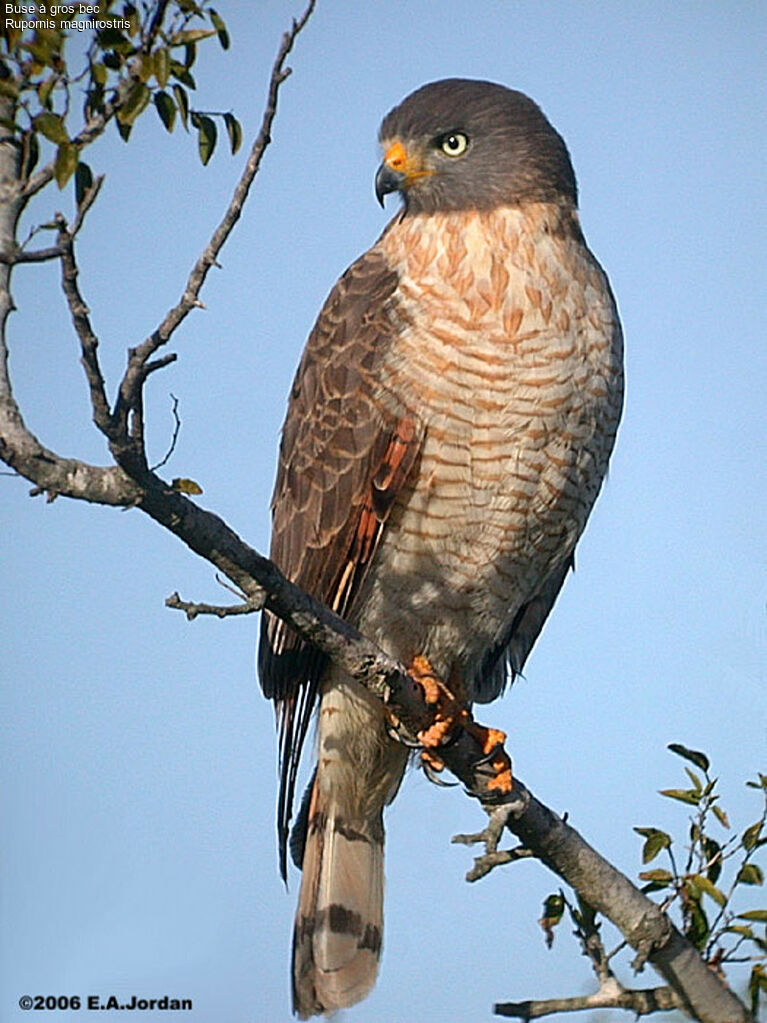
x: 388, y: 180
x: 398, y: 171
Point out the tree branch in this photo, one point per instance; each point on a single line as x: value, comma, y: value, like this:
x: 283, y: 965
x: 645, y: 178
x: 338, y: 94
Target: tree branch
x: 36, y: 256
x: 642, y: 1002
x: 193, y: 610
x: 80, y: 314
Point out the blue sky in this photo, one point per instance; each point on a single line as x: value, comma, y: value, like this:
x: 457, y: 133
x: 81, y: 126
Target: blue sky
x: 138, y: 766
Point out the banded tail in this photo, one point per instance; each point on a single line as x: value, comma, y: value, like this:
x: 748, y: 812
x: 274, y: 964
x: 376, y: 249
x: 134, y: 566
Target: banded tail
x: 339, y: 922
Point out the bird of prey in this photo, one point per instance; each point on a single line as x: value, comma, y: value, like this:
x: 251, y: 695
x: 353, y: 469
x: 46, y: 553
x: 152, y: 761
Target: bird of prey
x: 447, y: 433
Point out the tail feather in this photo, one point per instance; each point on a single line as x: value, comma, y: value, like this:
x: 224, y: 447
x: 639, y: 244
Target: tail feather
x: 339, y: 921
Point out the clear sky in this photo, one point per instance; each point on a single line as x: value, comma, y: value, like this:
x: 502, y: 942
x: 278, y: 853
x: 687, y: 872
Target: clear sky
x: 138, y: 756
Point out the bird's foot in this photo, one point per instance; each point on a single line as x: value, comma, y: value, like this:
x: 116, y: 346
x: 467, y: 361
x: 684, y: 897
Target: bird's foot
x: 491, y: 740
x: 449, y: 713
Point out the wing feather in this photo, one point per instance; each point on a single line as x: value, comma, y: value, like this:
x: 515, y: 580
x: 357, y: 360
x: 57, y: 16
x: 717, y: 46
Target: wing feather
x: 345, y: 454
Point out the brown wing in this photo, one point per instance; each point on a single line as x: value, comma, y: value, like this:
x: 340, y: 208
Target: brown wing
x: 345, y: 453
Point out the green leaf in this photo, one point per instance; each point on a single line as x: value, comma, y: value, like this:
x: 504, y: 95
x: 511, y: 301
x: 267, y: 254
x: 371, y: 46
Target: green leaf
x: 683, y: 795
x: 162, y: 66
x: 697, y: 929
x: 757, y: 983
x: 135, y: 104
x: 111, y: 39
x: 657, y: 876
x: 182, y: 102
x: 696, y: 782
x: 220, y: 27
x: 52, y: 126
x: 710, y: 787
x: 721, y: 816
x: 83, y: 181
x: 234, y: 130
x: 694, y: 756
x: 711, y: 850
x: 186, y: 486
x: 191, y: 35
x: 124, y: 130
x: 44, y: 90
x: 758, y: 916
x: 655, y: 840
x: 207, y: 135
x: 710, y: 889
x: 166, y: 108
x: 182, y: 74
x: 65, y: 164
x: 741, y: 929
x: 99, y: 74
x: 750, y: 873
x: 751, y: 835
x: 553, y: 910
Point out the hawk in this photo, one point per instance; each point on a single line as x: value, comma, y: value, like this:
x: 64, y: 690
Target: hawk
x: 447, y: 433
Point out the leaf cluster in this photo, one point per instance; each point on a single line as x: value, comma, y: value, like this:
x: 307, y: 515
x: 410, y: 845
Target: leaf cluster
x: 714, y: 874
x: 706, y: 888
x: 142, y: 57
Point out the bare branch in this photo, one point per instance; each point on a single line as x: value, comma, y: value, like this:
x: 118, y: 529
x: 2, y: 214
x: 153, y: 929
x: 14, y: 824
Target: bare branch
x: 19, y: 255
x: 80, y: 314
x: 36, y: 256
x: 489, y: 837
x: 192, y: 610
x: 642, y: 1002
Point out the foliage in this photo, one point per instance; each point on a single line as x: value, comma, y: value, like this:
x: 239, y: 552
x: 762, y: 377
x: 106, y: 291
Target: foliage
x: 131, y: 58
x: 707, y: 887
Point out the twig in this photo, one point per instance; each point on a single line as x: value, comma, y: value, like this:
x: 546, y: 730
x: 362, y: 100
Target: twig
x: 35, y: 256
x: 174, y: 438
x: 193, y: 610
x: 489, y: 837
x: 642, y: 1002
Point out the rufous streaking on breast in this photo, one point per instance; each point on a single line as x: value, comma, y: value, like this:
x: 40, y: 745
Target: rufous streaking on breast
x: 448, y: 431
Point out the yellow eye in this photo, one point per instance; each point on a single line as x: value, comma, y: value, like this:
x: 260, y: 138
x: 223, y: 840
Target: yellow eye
x: 455, y: 143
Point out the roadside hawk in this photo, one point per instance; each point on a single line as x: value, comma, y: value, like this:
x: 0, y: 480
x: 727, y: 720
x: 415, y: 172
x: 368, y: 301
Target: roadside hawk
x: 447, y: 433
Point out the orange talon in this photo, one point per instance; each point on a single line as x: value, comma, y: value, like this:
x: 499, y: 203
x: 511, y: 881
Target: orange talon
x: 432, y: 760
x: 448, y: 714
x: 423, y: 673
x: 448, y: 711
x: 503, y: 781
x: 493, y: 739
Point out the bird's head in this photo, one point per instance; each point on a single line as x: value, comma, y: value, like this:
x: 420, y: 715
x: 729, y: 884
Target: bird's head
x: 460, y: 144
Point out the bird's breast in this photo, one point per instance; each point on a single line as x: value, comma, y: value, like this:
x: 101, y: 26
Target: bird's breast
x: 508, y: 353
